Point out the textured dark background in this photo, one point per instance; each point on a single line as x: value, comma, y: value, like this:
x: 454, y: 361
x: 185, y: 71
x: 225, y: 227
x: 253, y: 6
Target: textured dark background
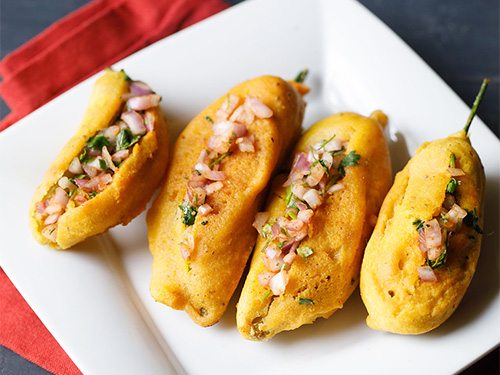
x: 459, y: 39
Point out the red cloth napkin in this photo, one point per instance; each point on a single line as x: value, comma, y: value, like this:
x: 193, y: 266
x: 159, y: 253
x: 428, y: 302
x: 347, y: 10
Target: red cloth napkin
x: 87, y: 41
x: 79, y: 45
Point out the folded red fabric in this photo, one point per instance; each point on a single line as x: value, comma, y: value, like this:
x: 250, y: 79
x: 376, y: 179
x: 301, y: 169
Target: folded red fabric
x: 79, y: 45
x: 89, y: 40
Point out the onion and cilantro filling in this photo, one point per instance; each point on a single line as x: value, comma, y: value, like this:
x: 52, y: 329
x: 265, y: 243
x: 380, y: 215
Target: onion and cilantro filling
x: 92, y: 170
x: 434, y: 235
x: 314, y: 175
x: 230, y: 134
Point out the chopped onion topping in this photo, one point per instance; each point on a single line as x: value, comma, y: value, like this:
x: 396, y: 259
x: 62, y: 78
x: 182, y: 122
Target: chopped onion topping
x: 279, y: 282
x: 456, y: 172
x: 75, y: 167
x: 141, y: 103
x: 213, y: 187
x: 426, y: 274
x: 258, y: 108
x: 205, y: 209
x: 260, y: 220
x: 313, y: 198
x: 135, y: 122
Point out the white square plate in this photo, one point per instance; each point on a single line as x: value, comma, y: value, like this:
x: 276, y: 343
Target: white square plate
x: 94, y: 298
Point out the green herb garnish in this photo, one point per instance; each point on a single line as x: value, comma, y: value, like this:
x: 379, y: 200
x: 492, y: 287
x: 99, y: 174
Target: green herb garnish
x: 305, y: 301
x: 440, y: 261
x: 125, y: 139
x: 219, y: 159
x: 452, y: 186
x: 209, y: 119
x: 349, y: 160
x: 472, y: 220
x: 84, y: 156
x: 305, y: 251
x: 102, y: 164
x: 452, y: 160
x: 264, y: 297
x: 92, y: 194
x: 188, y: 213
x: 204, y: 222
x: 97, y: 142
x: 419, y: 224
x: 325, y: 142
x: 301, y: 76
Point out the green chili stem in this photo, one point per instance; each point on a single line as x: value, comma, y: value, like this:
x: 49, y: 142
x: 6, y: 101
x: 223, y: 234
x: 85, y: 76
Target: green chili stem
x: 475, y: 106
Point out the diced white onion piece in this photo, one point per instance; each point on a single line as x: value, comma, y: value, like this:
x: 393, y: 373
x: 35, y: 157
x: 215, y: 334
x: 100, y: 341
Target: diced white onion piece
x: 336, y: 187
x: 134, y: 121
x: 54, y: 208
x: 260, y: 220
x: 187, y: 244
x: 96, y: 163
x: 316, y: 175
x: 298, y: 190
x: 203, y: 156
x: 75, y: 166
x: 52, y: 219
x: 456, y: 172
x: 434, y: 252
x: 432, y: 231
x: 60, y: 197
x: 149, y: 120
x: 219, y: 143
x: 201, y: 168
x: 107, y: 158
x: 271, y: 252
x: 426, y: 274
x: 264, y: 278
x: 239, y: 130
x: 139, y: 88
x: 313, y: 198
x: 456, y: 213
x: 305, y: 215
x: 65, y: 183
x: 327, y: 159
x: 111, y: 133
x: 205, y: 209
x: 215, y: 175
x: 242, y: 115
x: 119, y: 156
x: 50, y: 232
x: 229, y: 104
x: 258, y: 108
x: 141, y: 103
x: 279, y: 282
x: 245, y: 144
x: 334, y: 145
x: 273, y: 265
x: 213, y: 187
x: 40, y: 207
x: 90, y: 170
x: 288, y: 259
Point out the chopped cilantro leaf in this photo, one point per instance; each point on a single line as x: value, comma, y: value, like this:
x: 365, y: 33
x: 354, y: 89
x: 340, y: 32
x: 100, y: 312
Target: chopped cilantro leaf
x: 219, y: 159
x: 305, y: 301
x: 92, y: 194
x: 452, y: 160
x: 472, y: 220
x: 305, y: 251
x: 125, y: 139
x: 452, y: 185
x: 440, y: 261
x: 84, y: 156
x: 102, y: 164
x: 209, y: 119
x: 204, y: 222
x: 264, y: 297
x: 301, y: 76
x: 326, y: 141
x: 97, y: 142
x: 349, y: 160
x: 419, y: 224
x: 188, y: 213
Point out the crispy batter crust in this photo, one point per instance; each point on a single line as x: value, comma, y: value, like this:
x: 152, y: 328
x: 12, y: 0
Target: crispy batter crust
x: 223, y: 245
x: 396, y: 299
x: 340, y: 229
x: 133, y: 184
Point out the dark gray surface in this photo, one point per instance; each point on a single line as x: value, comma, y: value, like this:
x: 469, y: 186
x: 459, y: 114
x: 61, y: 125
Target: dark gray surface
x: 459, y: 39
